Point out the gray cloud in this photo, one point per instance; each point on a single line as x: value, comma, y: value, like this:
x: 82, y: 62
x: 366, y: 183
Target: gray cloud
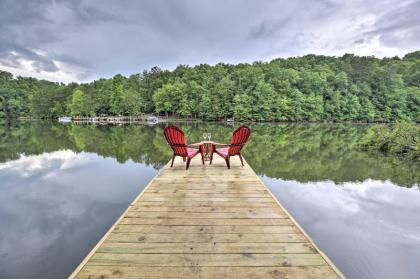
x: 27, y: 28
x: 12, y: 56
x: 83, y: 40
x: 400, y: 26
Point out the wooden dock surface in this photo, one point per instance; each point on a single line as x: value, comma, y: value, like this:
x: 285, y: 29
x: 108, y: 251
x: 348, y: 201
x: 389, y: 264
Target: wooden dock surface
x: 207, y: 222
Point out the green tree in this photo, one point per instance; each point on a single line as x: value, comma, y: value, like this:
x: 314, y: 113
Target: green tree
x: 242, y: 107
x: 172, y: 98
x: 79, y: 105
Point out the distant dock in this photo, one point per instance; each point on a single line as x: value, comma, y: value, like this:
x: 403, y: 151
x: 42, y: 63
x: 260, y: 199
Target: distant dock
x: 145, y: 119
x: 116, y: 119
x: 206, y: 222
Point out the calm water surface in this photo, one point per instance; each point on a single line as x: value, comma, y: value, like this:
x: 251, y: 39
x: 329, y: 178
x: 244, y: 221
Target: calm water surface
x: 62, y: 187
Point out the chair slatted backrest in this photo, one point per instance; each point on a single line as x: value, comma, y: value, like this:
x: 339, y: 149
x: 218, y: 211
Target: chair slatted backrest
x: 176, y: 139
x: 239, y: 138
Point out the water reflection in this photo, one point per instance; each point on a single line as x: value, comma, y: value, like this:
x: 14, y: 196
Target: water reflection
x: 61, y: 187
x: 54, y: 207
x: 295, y: 152
x: 371, y: 229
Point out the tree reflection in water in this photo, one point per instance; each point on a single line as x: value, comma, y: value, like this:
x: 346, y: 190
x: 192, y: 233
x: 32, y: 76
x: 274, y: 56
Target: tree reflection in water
x: 301, y: 152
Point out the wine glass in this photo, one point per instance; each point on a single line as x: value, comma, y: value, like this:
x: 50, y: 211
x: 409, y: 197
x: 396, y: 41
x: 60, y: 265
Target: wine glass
x: 205, y: 135
x: 209, y: 136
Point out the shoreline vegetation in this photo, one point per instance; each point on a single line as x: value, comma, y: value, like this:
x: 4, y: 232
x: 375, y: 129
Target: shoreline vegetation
x: 163, y: 119
x: 400, y: 140
x: 311, y: 88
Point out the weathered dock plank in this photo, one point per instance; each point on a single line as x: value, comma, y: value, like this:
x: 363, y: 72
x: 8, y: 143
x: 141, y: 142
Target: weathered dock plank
x: 205, y: 237
x: 207, y: 222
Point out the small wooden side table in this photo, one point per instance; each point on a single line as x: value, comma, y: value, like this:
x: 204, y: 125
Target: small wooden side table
x: 206, y: 149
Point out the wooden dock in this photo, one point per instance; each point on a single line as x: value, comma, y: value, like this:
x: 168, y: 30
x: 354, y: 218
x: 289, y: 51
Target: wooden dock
x: 207, y: 222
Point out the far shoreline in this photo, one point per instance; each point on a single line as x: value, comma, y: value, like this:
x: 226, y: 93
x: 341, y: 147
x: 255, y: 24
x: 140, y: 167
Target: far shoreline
x: 193, y: 120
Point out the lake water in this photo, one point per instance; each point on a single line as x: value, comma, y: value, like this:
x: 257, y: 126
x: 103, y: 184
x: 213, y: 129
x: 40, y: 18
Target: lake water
x: 62, y: 187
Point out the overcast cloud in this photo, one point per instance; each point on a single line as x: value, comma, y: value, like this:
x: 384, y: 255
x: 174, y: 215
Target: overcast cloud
x: 82, y: 40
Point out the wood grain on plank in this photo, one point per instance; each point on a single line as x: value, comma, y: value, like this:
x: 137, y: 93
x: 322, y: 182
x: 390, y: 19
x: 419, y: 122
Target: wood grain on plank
x: 205, y: 237
x: 116, y: 271
x: 207, y: 222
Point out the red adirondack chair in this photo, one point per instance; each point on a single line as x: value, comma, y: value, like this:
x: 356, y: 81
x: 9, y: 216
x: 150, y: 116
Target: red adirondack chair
x: 239, y: 138
x: 176, y: 139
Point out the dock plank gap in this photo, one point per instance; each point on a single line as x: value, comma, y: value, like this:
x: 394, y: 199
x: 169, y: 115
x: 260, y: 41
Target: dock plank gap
x: 206, y: 222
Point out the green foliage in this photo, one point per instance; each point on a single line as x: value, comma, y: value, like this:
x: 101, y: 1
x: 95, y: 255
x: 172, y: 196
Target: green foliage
x: 79, y: 105
x: 117, y: 95
x: 401, y: 139
x: 308, y: 88
x: 172, y: 98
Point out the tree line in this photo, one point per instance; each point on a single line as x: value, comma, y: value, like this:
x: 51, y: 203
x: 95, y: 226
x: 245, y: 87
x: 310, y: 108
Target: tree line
x: 307, y: 88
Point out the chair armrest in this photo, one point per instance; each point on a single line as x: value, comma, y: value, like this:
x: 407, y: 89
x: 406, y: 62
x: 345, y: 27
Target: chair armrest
x: 219, y: 145
x: 194, y: 145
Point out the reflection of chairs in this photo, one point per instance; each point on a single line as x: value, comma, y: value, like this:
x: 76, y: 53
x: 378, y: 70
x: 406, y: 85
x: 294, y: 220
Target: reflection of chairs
x: 176, y: 139
x: 239, y: 138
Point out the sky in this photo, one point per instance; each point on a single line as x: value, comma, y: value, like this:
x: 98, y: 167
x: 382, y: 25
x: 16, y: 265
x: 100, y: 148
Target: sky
x: 83, y: 40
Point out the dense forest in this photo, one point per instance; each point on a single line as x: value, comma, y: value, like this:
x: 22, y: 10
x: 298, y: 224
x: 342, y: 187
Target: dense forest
x: 308, y: 88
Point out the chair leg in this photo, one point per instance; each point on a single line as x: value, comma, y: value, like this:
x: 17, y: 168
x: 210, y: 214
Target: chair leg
x: 173, y: 159
x: 211, y: 153
x: 242, y: 161
x: 201, y: 151
x: 188, y: 163
x: 227, y: 162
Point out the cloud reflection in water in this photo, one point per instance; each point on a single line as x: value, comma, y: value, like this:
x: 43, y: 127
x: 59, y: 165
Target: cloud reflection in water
x: 362, y: 226
x: 54, y: 207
